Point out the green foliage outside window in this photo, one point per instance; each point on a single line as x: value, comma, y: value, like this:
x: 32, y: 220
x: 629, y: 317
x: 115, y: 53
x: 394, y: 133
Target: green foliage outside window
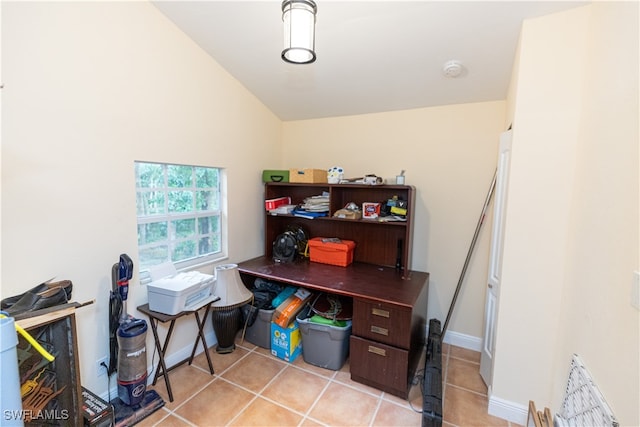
x: 178, y: 209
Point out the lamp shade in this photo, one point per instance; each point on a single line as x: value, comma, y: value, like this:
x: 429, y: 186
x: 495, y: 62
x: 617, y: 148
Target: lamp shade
x: 299, y: 18
x: 229, y: 288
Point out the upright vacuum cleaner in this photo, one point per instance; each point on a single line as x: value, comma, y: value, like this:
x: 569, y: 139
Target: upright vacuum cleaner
x: 131, y: 336
x: 128, y: 355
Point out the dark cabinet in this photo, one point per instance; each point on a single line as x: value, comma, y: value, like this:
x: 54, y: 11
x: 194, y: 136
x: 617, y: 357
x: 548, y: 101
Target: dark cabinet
x: 385, y: 243
x: 387, y: 341
x: 378, y: 365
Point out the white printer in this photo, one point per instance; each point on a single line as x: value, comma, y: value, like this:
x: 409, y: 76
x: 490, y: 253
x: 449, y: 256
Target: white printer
x: 180, y: 292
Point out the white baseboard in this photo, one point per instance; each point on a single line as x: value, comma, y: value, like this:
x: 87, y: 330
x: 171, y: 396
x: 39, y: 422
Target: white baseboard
x: 514, y: 412
x: 183, y: 353
x: 462, y: 340
x: 180, y: 355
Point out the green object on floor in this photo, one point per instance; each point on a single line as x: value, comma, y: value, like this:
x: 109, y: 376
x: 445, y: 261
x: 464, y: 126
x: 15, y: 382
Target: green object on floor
x: 324, y: 321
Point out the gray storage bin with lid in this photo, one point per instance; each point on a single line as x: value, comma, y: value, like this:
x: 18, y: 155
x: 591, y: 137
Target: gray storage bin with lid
x: 266, y: 294
x: 260, y: 332
x: 326, y: 346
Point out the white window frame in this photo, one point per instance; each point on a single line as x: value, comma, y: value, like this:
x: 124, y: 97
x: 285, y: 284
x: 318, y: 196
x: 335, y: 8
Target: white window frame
x: 199, y: 260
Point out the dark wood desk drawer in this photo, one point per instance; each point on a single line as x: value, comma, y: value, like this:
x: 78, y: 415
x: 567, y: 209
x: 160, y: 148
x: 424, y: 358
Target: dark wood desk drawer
x: 379, y: 365
x: 385, y: 323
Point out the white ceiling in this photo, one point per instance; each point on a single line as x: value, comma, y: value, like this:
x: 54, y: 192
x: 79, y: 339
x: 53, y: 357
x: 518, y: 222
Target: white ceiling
x: 372, y: 56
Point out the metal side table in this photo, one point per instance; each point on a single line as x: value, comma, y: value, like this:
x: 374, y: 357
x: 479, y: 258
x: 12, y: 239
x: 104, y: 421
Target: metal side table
x: 156, y: 317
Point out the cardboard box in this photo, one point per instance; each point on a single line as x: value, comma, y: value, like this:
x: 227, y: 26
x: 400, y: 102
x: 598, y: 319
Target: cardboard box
x: 370, y: 210
x: 286, y: 312
x: 95, y: 411
x: 286, y: 343
x: 331, y: 251
x: 308, y: 176
x: 273, y: 175
x: 347, y: 214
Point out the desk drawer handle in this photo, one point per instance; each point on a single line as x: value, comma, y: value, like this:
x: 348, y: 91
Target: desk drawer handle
x: 380, y: 312
x: 379, y: 330
x: 379, y: 351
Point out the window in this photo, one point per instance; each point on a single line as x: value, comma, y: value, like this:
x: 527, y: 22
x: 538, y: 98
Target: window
x: 179, y: 214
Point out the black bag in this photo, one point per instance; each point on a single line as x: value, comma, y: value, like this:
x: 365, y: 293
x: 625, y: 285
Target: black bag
x: 273, y: 288
x: 263, y: 294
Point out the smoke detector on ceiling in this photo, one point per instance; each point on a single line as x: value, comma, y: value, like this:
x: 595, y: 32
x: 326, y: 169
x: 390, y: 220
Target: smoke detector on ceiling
x: 453, y: 69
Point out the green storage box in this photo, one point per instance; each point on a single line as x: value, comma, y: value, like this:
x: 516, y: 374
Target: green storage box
x: 273, y: 175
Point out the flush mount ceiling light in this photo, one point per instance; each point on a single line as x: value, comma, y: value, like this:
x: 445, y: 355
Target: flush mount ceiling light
x: 299, y: 18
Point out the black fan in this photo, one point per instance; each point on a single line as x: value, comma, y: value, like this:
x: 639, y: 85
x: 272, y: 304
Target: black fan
x: 285, y: 247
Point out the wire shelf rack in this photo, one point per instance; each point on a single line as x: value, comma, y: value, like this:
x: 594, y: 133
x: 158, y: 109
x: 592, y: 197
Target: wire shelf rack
x: 583, y: 403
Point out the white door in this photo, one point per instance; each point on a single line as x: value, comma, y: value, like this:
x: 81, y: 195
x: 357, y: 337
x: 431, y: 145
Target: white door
x: 495, y: 260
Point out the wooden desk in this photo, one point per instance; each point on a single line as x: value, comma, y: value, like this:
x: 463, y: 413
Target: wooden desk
x: 389, y: 314
x: 155, y: 317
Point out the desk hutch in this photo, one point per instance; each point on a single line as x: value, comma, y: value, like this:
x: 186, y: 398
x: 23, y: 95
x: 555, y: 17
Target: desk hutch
x: 389, y: 299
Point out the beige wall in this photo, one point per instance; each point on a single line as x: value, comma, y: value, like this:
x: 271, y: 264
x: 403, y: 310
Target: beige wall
x: 449, y: 154
x: 599, y: 323
x: 543, y: 158
x: 91, y: 87
x: 88, y: 89
x: 571, y: 238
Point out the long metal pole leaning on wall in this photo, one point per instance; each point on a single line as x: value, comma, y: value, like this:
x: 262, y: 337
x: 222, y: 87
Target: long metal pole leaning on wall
x: 470, y: 252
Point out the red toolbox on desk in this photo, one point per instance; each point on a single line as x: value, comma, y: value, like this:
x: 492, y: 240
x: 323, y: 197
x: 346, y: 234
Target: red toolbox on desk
x: 331, y: 251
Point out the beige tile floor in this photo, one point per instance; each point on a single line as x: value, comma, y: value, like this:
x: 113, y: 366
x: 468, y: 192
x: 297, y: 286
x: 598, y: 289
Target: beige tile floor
x: 252, y: 388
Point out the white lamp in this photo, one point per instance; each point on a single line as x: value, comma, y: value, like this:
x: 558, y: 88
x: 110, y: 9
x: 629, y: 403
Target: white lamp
x: 299, y: 17
x: 226, y: 316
